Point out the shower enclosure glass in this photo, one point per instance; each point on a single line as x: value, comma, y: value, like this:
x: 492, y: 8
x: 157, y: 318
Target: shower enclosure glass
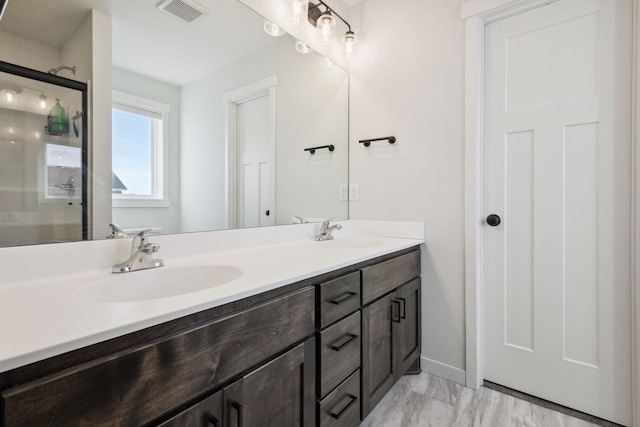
x: 43, y: 161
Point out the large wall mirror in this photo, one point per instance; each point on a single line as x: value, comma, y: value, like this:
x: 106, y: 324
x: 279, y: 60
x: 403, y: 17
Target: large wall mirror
x: 191, y: 126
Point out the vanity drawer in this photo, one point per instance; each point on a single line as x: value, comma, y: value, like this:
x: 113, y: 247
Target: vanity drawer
x: 338, y: 298
x: 341, y: 408
x: 384, y: 277
x: 206, y: 413
x: 339, y: 352
x: 139, y: 384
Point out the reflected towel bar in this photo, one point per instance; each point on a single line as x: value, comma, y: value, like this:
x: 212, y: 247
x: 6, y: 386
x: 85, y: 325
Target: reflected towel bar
x: 312, y: 150
x: 367, y: 142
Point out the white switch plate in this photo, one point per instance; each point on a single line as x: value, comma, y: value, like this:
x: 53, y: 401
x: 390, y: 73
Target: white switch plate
x: 343, y: 192
x: 354, y: 192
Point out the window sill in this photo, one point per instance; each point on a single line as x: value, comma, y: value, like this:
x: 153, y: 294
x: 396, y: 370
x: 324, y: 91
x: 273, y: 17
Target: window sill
x: 140, y: 203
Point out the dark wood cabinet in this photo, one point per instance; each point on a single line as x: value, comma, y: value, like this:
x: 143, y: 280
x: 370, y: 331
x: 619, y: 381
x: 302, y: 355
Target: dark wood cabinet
x: 341, y: 407
x: 320, y: 352
x: 280, y: 393
x: 206, y: 413
x: 390, y: 326
x: 137, y: 385
x: 407, y: 344
x: 378, y: 367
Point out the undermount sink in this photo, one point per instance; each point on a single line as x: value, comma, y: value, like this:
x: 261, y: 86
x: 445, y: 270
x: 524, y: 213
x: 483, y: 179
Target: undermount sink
x: 157, y: 283
x: 353, y: 242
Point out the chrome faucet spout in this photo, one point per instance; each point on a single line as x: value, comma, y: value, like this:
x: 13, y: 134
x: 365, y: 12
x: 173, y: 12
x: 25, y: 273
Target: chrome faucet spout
x: 117, y: 232
x: 326, y: 230
x: 141, y: 255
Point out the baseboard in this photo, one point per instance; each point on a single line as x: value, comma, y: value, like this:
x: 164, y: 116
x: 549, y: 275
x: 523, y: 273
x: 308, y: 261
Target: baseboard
x: 442, y: 370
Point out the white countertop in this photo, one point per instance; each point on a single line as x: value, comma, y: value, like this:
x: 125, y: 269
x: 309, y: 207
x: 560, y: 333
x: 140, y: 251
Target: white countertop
x: 44, y: 315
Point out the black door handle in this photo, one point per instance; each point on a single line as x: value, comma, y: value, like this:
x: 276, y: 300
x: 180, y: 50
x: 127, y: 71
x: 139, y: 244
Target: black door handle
x: 267, y: 212
x: 238, y: 407
x: 352, y: 400
x: 349, y: 338
x: 213, y: 421
x: 493, y: 220
x: 393, y: 311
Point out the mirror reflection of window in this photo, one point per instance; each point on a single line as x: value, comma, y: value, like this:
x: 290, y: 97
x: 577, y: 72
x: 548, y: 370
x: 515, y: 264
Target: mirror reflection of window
x: 138, y: 145
x: 64, y: 171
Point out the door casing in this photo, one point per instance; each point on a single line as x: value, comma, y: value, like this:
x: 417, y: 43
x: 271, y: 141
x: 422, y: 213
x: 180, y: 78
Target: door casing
x: 266, y: 86
x: 476, y: 14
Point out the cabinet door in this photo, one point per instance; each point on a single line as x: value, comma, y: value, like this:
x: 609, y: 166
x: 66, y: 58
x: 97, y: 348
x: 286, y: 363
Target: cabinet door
x: 379, y: 320
x: 280, y: 393
x: 407, y: 345
x: 206, y: 413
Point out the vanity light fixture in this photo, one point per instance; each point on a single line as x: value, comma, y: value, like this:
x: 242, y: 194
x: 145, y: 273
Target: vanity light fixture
x: 302, y: 48
x: 349, y: 40
x: 9, y: 92
x: 272, y: 29
x: 297, y: 10
x: 325, y: 23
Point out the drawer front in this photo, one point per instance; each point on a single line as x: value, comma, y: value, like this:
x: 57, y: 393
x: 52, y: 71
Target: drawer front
x: 341, y: 408
x: 206, y: 413
x: 382, y: 278
x: 338, y: 298
x: 339, y: 352
x: 137, y: 385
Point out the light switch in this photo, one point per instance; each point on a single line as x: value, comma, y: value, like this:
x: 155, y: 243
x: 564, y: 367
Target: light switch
x: 354, y: 192
x: 343, y: 192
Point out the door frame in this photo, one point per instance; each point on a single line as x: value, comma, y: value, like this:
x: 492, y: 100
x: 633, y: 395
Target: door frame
x: 476, y: 14
x: 266, y: 86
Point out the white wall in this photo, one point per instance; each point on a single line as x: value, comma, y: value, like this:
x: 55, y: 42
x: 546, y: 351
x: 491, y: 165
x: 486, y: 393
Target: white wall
x: 167, y: 219
x: 100, y: 130
x: 310, y: 111
x: 407, y: 81
x: 27, y: 53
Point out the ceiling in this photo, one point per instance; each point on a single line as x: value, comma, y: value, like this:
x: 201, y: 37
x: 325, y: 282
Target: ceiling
x: 146, y: 40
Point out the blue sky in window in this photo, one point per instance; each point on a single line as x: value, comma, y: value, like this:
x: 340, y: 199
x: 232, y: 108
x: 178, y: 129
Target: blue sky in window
x: 131, y: 156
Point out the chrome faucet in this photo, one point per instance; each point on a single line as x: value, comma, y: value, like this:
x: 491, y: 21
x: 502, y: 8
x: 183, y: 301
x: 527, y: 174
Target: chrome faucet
x: 326, y: 230
x: 117, y: 232
x: 141, y: 255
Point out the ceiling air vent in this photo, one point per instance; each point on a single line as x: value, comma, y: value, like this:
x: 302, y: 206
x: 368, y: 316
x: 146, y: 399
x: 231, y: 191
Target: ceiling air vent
x: 185, y: 10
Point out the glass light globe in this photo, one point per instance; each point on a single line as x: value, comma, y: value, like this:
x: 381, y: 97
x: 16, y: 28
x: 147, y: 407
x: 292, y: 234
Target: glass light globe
x: 349, y: 41
x: 42, y: 103
x: 326, y: 28
x: 272, y: 29
x: 302, y: 48
x: 297, y: 11
x: 9, y: 97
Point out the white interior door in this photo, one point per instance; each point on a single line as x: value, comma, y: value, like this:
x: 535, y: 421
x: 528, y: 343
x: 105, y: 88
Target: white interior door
x: 254, y: 170
x: 557, y: 171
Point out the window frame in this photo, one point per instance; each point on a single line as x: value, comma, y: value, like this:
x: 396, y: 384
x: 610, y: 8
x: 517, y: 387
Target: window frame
x: 160, y: 169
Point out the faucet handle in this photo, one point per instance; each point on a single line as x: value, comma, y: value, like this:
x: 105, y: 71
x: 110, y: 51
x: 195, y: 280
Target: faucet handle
x: 117, y: 232
x: 140, y: 240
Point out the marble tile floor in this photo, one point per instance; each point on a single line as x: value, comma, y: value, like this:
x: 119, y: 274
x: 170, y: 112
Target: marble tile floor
x: 428, y: 401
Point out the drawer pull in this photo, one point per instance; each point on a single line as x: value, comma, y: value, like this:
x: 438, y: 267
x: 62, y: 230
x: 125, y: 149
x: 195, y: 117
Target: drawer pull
x: 213, y: 421
x: 350, y: 338
x: 343, y: 298
x: 238, y: 407
x: 403, y: 312
x: 393, y: 311
x: 352, y: 400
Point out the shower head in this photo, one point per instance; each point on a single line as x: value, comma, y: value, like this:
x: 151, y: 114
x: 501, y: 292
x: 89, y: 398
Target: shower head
x: 55, y: 71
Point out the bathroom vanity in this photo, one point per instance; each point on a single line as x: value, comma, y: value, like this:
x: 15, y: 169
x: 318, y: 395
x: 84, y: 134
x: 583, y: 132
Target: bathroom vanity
x: 321, y: 350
